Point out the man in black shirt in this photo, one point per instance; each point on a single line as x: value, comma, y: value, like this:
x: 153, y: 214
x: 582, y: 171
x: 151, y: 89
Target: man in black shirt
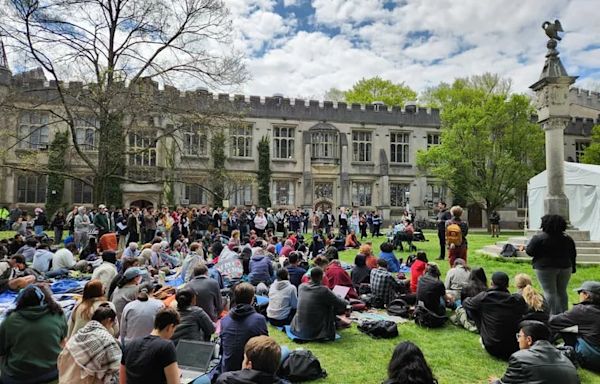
x: 152, y: 359
x: 442, y: 217
x: 497, y: 314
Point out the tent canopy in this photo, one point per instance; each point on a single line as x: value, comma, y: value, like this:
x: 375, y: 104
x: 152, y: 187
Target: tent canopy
x: 582, y: 187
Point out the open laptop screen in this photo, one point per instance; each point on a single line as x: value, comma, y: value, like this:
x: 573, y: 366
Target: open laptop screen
x: 194, y: 355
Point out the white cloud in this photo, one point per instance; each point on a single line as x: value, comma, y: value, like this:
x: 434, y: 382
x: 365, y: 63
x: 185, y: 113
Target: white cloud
x: 424, y: 42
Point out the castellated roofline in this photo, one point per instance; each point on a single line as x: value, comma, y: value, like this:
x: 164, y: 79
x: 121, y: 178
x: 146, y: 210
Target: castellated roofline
x: 254, y: 106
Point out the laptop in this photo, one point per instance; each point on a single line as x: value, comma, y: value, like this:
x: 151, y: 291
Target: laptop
x: 193, y: 358
x: 341, y: 291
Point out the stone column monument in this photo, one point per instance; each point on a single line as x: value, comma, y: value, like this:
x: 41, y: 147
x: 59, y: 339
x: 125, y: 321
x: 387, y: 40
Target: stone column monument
x: 552, y: 91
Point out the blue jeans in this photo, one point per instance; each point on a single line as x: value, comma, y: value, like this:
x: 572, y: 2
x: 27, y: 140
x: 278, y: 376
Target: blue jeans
x: 58, y: 272
x: 554, y: 282
x: 39, y: 230
x: 588, y: 355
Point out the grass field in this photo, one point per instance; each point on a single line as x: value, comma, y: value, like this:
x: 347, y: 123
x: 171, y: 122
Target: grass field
x: 454, y: 354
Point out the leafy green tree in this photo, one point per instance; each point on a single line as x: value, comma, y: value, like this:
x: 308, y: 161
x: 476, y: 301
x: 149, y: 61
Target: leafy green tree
x: 591, y: 155
x: 489, y: 145
x: 367, y: 91
x: 488, y: 83
x: 264, y: 172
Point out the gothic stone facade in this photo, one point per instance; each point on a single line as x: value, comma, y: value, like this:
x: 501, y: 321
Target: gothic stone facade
x: 324, y: 154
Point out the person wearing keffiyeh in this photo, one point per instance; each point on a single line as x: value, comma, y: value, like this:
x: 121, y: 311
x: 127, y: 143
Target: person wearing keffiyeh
x: 92, y: 355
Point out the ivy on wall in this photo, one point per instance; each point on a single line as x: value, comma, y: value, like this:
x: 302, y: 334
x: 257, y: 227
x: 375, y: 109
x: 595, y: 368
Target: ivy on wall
x: 218, y: 175
x: 264, y: 172
x: 56, y: 182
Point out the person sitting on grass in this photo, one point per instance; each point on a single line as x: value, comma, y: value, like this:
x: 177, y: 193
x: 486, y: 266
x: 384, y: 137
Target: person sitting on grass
x: 9, y: 283
x: 31, y: 338
x: 408, y: 366
x: 417, y: 269
x: 352, y: 240
x: 262, y: 355
x: 195, y: 323
x: 361, y: 274
x: 240, y: 325
x: 295, y: 272
x: 137, y: 319
x: 537, y: 361
x: 387, y: 254
x: 317, y: 307
x: 383, y: 284
x: 152, y: 359
x: 431, y: 291
x: 321, y: 262
x: 283, y: 300
x: 497, y: 314
x: 538, y: 308
x: 92, y: 355
x: 586, y: 317
x: 457, y: 278
x: 367, y: 250
x: 336, y: 275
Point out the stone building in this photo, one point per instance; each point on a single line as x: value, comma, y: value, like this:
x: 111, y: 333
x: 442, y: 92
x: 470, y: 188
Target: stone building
x: 324, y: 154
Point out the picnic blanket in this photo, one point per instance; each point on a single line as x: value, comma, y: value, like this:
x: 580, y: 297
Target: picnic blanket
x: 288, y: 331
x: 68, y: 286
x: 359, y: 317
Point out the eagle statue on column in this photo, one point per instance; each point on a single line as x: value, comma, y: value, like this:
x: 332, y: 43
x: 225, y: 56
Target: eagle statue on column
x: 552, y: 29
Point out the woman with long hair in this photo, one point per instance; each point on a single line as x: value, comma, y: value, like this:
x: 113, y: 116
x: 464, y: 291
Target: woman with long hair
x: 195, y: 323
x: 538, y: 310
x: 554, y: 254
x: 93, y: 297
x: 477, y: 283
x: 408, y: 366
x: 92, y: 355
x: 31, y: 338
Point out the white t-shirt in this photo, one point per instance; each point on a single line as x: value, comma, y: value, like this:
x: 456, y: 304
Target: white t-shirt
x: 63, y: 258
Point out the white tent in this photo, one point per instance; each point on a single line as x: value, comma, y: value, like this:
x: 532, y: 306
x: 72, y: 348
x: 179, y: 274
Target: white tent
x: 582, y: 187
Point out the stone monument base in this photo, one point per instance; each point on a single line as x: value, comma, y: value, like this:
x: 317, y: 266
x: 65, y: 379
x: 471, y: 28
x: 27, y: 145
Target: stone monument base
x: 575, y: 234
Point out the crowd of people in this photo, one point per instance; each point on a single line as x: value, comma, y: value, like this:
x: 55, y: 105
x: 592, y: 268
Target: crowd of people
x: 130, y: 319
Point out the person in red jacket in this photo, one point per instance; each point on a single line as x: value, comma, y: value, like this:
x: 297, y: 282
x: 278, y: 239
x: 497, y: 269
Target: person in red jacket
x: 417, y: 269
x: 336, y: 275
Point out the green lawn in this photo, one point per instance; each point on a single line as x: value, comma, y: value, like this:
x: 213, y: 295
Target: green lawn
x: 454, y: 354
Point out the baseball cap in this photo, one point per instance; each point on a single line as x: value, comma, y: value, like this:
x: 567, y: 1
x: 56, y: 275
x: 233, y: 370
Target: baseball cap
x: 589, y: 286
x: 133, y: 272
x: 102, y: 206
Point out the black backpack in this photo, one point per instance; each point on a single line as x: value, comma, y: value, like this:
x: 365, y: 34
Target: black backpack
x: 398, y: 307
x: 301, y: 365
x: 379, y: 329
x: 508, y: 250
x: 428, y: 319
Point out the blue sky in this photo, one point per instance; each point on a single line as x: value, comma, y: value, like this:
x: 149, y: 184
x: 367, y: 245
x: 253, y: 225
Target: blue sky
x: 301, y: 48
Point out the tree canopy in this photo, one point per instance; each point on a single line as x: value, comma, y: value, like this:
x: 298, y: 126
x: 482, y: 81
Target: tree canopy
x: 591, y: 155
x: 107, y: 44
x: 490, y: 146
x: 367, y: 91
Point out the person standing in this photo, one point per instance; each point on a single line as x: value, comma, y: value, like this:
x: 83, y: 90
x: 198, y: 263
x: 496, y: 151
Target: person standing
x: 554, y: 255
x: 456, y: 236
x: 495, y: 224
x: 133, y: 225
x: 81, y: 225
x: 39, y: 222
x: 149, y: 225
x: 58, y: 224
x: 442, y: 217
x: 102, y: 221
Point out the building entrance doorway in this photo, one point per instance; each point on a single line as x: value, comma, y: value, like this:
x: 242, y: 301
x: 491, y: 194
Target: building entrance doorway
x: 141, y: 204
x: 323, y: 205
